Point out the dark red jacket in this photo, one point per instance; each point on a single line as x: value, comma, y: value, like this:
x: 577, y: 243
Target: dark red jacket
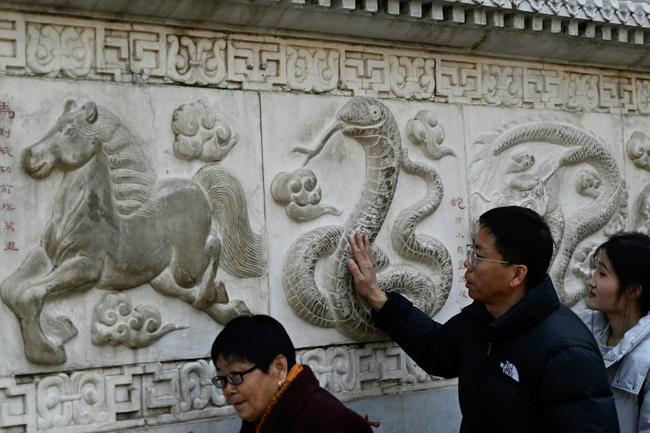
x: 305, y: 407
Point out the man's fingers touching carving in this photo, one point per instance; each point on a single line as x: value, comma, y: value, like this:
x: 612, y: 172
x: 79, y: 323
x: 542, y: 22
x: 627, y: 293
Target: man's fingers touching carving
x: 363, y: 271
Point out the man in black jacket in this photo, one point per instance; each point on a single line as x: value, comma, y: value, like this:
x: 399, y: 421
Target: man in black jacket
x: 525, y: 362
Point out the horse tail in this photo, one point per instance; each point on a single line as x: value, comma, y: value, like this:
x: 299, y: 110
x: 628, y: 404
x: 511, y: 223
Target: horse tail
x: 243, y: 253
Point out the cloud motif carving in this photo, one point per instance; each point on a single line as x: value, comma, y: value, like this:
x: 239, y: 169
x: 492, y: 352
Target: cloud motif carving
x: 638, y: 149
x: 300, y: 193
x: 425, y: 130
x: 588, y: 183
x: 116, y: 322
x: 199, y: 134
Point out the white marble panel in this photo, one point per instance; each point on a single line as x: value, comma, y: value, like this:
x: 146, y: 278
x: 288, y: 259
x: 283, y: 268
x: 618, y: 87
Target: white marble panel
x: 567, y: 167
x: 291, y: 121
x: 147, y: 112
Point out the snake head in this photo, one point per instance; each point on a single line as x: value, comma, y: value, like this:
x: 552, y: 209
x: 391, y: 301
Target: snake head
x: 360, y: 114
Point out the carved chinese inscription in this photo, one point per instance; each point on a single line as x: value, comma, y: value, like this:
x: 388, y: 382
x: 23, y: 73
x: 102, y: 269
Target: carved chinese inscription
x: 7, y: 204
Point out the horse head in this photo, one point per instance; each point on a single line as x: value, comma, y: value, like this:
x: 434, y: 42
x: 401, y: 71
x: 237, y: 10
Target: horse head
x: 68, y: 145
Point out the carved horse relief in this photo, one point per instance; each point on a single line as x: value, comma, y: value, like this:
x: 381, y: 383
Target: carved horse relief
x: 115, y: 226
x: 370, y: 124
x: 522, y: 165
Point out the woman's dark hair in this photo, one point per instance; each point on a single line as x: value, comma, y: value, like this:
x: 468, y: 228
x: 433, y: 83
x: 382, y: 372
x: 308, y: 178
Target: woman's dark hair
x: 522, y: 237
x: 257, y: 339
x: 629, y: 254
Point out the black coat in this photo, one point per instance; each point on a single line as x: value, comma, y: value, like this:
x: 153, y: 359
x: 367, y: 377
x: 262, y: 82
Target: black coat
x: 305, y: 407
x: 536, y: 368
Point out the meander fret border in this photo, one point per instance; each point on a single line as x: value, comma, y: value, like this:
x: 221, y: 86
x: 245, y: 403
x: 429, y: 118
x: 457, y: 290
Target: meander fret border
x: 162, y: 393
x: 85, y: 49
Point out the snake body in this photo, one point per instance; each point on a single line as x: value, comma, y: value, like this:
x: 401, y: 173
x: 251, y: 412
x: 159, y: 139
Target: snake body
x: 371, y: 124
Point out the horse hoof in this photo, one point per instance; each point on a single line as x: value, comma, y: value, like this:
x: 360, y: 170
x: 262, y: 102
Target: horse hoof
x: 46, y: 354
x: 61, y: 328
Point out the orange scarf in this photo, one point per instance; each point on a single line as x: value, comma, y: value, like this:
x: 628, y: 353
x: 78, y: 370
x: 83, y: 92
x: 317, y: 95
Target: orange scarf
x: 293, y: 373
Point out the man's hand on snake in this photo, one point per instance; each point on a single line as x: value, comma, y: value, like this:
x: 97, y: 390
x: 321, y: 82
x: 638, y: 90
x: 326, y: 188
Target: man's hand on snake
x: 363, y: 271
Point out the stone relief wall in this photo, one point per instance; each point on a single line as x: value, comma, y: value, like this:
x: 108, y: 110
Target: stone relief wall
x: 223, y: 171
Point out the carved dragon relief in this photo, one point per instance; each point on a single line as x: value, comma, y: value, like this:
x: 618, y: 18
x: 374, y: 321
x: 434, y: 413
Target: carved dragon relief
x: 369, y: 123
x: 115, y: 226
x: 510, y: 167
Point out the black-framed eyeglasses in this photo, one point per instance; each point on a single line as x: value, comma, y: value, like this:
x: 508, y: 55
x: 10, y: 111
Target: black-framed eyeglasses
x: 234, y: 378
x: 472, y: 258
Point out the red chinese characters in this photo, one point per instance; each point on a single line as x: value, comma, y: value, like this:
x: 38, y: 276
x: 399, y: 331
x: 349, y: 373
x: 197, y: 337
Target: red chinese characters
x: 4, y: 109
x: 10, y: 246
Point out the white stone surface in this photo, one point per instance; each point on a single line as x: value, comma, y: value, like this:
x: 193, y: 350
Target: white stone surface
x: 148, y: 113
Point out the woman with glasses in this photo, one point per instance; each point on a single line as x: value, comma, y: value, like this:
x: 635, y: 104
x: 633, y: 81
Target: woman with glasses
x: 618, y: 303
x: 257, y: 371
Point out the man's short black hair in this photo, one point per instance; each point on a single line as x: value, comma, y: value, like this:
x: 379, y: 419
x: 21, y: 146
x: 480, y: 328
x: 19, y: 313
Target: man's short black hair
x: 522, y: 237
x: 257, y: 339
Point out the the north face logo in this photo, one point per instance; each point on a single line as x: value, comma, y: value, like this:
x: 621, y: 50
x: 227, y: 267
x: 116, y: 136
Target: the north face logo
x: 510, y: 370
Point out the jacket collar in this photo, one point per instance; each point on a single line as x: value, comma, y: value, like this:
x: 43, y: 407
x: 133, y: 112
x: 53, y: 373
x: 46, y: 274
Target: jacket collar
x: 632, y: 338
x: 630, y: 357
x: 538, y: 302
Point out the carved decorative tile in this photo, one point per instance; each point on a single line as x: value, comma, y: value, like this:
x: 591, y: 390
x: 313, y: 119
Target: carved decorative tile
x: 502, y: 85
x: 365, y: 72
x: 194, y: 60
x: 582, y: 91
x: 543, y: 88
x: 113, y: 52
x: 148, y: 54
x: 458, y: 81
x: 608, y: 91
x: 312, y: 69
x: 60, y: 50
x: 17, y: 405
x: 642, y: 88
x: 12, y: 42
x: 627, y: 94
x: 256, y: 65
x: 412, y: 77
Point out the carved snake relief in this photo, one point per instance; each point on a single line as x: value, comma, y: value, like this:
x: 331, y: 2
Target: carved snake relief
x: 583, y: 148
x: 370, y: 123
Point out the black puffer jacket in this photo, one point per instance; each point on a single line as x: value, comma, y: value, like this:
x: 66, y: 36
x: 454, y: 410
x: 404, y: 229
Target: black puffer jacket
x: 537, y: 368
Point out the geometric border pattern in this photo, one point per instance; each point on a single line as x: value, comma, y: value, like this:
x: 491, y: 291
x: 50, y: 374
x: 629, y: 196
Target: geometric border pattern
x: 162, y: 393
x: 85, y: 49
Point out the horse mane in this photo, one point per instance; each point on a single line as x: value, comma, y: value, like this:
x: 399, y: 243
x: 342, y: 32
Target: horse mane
x: 131, y: 176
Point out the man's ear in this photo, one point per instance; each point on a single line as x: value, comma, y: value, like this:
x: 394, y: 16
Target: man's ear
x: 519, y: 275
x: 280, y: 367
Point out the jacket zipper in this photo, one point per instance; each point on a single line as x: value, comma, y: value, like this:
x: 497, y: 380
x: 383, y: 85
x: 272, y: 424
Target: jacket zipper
x: 489, y: 349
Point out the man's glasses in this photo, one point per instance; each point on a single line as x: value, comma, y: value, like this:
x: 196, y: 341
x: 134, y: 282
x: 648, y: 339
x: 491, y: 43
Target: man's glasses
x: 234, y: 378
x: 472, y: 258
